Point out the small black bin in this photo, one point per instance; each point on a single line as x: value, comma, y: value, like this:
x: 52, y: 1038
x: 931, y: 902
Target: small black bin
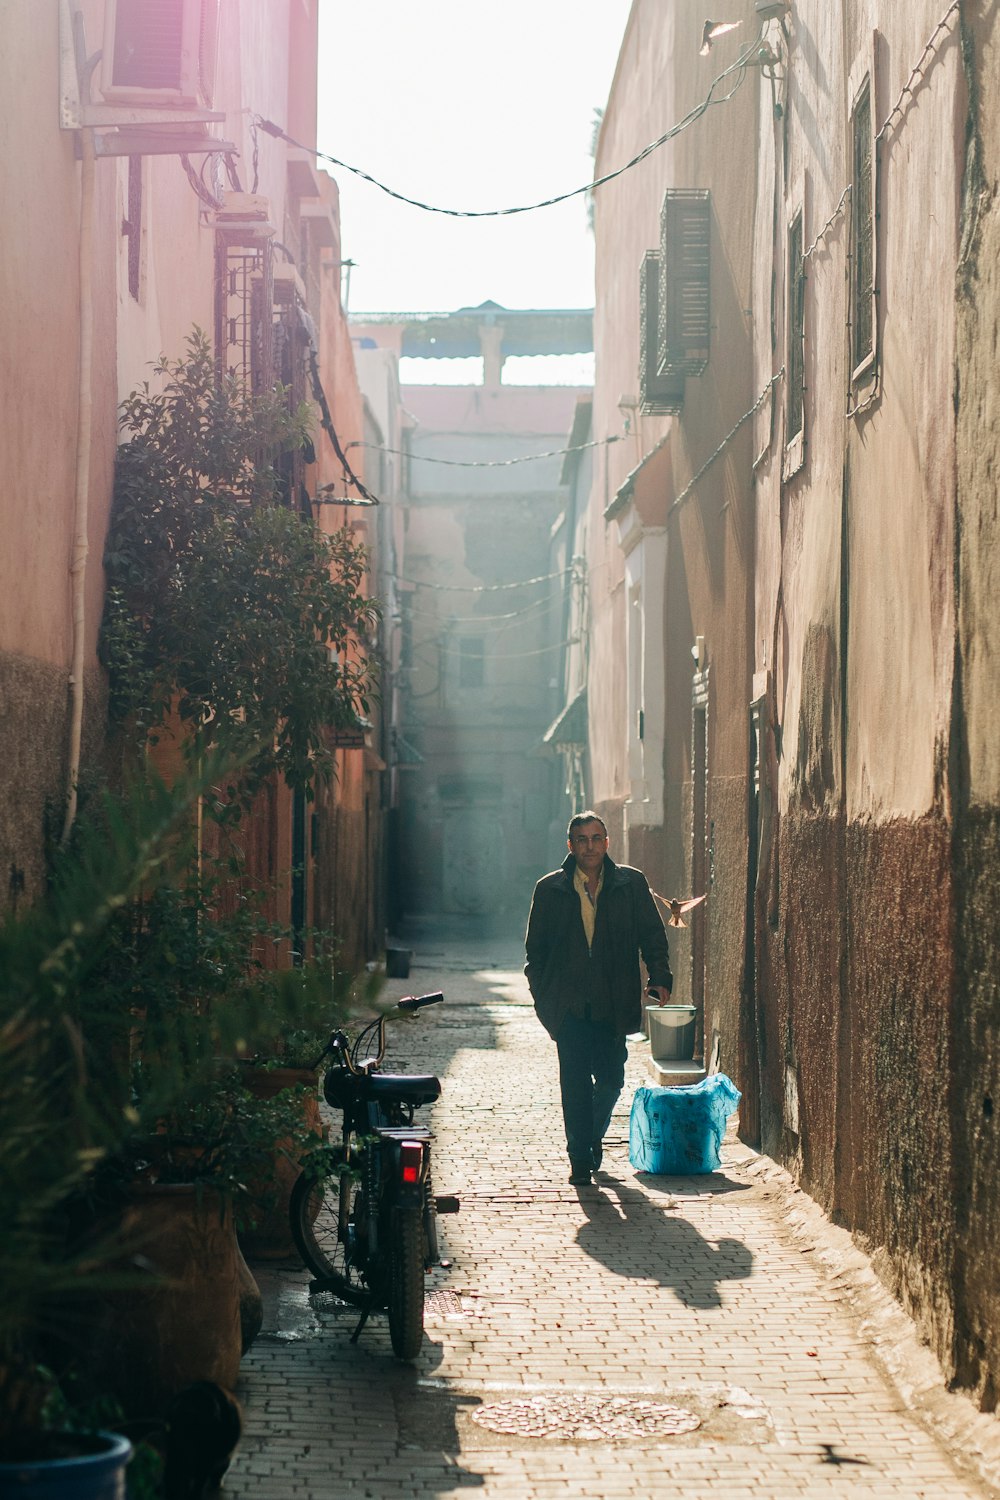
x: 397, y: 963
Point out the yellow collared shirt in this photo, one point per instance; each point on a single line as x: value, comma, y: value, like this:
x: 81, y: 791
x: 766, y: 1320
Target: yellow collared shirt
x: 588, y: 903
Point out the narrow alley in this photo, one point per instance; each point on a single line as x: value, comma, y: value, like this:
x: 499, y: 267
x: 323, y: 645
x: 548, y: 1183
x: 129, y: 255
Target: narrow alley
x: 580, y: 1334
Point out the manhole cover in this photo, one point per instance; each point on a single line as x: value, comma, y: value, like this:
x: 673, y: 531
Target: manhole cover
x: 587, y: 1418
x: 443, y: 1305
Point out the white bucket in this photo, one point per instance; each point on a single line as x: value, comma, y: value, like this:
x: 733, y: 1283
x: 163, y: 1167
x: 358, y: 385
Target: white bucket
x: 671, y: 1032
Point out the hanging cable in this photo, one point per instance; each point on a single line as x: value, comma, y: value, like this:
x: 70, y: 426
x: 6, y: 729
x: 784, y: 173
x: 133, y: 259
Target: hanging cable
x: 255, y: 155
x: 204, y: 193
x: 831, y: 221
x: 451, y: 648
x: 478, y: 588
x: 234, y: 177
x: 487, y: 463
x: 739, y: 67
x: 692, y: 483
x: 326, y: 421
x: 539, y: 606
x: 898, y: 109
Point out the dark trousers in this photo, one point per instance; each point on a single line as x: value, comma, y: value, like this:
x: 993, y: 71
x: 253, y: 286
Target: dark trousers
x: 591, y: 1075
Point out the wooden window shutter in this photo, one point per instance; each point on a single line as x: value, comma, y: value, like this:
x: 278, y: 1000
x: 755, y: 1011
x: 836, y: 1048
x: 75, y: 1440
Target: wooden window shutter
x: 684, y: 330
x: 149, y: 44
x: 863, y: 235
x: 657, y: 393
x: 795, y: 356
x: 162, y: 50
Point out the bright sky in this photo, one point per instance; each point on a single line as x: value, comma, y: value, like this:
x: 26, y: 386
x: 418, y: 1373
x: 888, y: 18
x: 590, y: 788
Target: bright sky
x: 465, y: 105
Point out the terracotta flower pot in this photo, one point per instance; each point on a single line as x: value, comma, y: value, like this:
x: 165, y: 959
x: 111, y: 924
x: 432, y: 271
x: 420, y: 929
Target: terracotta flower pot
x: 270, y: 1237
x: 182, y: 1323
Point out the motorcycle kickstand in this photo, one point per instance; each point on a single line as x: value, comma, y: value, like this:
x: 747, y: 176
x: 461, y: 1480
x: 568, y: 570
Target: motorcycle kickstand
x: 362, y: 1320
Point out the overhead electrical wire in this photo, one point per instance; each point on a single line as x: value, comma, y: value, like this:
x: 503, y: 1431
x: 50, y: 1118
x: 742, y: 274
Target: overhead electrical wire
x: 739, y: 67
x: 451, y: 648
x: 547, y: 601
x: 693, y: 481
x: 488, y: 463
x: 478, y: 588
x: 897, y: 111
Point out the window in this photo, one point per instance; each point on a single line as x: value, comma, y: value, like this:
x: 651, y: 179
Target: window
x: 795, y: 349
x: 470, y: 661
x: 160, y: 49
x: 684, y: 327
x: 657, y: 393
x: 244, y: 294
x: 863, y: 319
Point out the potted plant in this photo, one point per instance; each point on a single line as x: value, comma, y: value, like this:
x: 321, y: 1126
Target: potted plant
x: 54, y: 1132
x: 284, y: 1067
x: 111, y: 1092
x: 182, y: 1191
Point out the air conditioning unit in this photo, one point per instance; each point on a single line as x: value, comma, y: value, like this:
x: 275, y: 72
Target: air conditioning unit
x: 684, y: 331
x: 657, y: 393
x: 160, y: 52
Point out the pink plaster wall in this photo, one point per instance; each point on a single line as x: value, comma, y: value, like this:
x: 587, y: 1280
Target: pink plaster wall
x: 40, y: 312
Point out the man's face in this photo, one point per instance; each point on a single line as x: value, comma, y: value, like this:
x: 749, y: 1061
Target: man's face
x: 588, y: 844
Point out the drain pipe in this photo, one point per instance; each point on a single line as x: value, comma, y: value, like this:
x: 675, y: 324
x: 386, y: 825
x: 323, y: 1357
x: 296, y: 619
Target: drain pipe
x: 78, y: 566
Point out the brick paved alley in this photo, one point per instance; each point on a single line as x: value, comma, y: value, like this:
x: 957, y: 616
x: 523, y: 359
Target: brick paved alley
x: 691, y: 1292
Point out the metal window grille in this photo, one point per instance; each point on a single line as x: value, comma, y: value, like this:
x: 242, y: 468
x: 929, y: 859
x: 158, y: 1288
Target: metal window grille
x: 290, y: 369
x: 863, y: 232
x: 243, y: 298
x: 795, y: 361
x: 657, y: 393
x: 683, y: 329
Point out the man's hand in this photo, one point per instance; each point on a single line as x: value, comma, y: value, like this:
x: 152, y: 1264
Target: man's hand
x: 659, y: 993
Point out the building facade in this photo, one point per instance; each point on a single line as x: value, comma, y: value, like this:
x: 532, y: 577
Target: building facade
x: 798, y: 564
x: 149, y: 202
x: 477, y: 663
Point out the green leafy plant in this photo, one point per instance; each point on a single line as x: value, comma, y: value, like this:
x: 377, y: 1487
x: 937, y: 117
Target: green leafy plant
x: 223, y: 606
x: 222, y: 1138
x: 119, y: 993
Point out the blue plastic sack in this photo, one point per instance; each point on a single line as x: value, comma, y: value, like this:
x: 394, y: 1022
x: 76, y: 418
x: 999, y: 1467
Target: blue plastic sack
x: 677, y: 1131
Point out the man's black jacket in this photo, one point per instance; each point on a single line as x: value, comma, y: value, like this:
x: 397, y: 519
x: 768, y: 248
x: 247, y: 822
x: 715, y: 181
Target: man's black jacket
x: 604, y: 982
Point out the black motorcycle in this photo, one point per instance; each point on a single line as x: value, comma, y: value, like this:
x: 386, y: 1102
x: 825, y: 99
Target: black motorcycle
x: 364, y: 1213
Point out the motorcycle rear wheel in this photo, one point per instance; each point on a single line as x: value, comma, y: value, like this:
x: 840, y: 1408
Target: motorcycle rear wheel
x: 316, y: 1213
x: 406, y: 1283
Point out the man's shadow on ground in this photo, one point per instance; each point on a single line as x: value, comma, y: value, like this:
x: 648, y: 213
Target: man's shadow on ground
x: 642, y: 1237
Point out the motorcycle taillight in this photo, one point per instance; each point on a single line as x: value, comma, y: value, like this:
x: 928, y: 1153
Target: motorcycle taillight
x: 411, y: 1157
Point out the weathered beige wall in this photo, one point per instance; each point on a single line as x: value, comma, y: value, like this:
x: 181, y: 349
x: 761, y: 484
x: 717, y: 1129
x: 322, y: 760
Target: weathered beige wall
x: 976, y: 756
x: 873, y: 971
x: 710, y: 538
x: 479, y: 800
x: 40, y: 307
x: 39, y: 383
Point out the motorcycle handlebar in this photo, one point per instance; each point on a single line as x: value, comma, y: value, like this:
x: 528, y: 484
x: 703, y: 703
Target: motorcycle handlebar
x: 415, y: 1002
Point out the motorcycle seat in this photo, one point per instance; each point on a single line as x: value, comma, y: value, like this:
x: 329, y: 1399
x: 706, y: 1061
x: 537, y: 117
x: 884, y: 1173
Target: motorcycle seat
x: 409, y: 1088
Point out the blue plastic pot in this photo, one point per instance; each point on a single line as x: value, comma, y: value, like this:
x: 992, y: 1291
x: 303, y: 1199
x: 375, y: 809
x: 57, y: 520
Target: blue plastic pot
x: 98, y: 1475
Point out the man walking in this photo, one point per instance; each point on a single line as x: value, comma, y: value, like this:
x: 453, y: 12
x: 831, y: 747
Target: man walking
x: 589, y: 923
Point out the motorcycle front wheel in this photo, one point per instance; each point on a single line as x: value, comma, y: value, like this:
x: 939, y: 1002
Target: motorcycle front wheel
x: 406, y: 1283
x: 326, y: 1217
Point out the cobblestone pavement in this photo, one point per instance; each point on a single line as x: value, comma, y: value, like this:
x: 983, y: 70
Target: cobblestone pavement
x: 572, y: 1322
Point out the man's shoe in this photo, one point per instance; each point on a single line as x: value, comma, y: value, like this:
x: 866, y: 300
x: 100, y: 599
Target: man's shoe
x: 580, y: 1175
x: 597, y: 1153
